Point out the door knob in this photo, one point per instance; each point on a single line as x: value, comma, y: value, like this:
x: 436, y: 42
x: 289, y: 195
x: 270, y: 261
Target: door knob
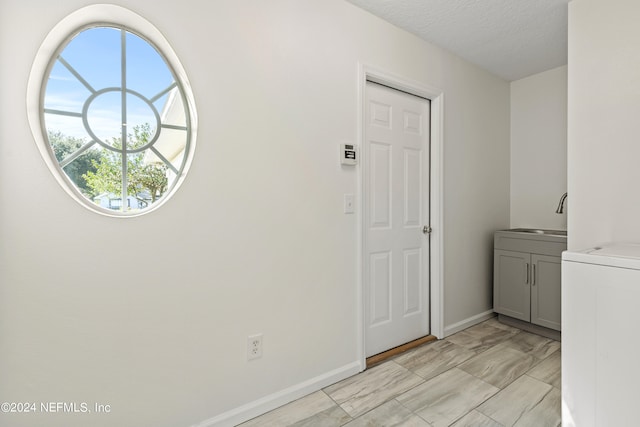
x: 427, y: 229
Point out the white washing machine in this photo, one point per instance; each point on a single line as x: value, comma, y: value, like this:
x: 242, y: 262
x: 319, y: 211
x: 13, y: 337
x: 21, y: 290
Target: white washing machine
x: 601, y: 336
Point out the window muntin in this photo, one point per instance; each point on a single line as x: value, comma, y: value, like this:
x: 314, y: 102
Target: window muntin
x: 116, y: 119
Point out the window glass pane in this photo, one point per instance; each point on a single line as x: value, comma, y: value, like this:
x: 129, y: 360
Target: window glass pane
x: 104, y: 117
x: 64, y: 91
x: 96, y: 55
x: 64, y: 148
x: 170, y: 145
x: 67, y: 126
x: 146, y: 70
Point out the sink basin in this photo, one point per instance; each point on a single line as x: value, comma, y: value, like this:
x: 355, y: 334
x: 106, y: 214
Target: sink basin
x: 539, y: 231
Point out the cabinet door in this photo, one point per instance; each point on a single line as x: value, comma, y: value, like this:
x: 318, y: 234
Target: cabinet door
x: 545, y: 291
x: 511, y: 291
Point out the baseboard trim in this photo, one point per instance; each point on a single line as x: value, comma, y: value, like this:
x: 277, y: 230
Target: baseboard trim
x: 530, y: 327
x: 275, y: 400
x: 468, y: 322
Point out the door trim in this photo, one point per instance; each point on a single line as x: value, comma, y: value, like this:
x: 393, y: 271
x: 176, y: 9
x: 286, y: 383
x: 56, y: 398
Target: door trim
x: 436, y: 262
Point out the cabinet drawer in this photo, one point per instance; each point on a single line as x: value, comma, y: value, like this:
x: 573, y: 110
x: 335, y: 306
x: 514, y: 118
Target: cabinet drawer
x: 516, y: 242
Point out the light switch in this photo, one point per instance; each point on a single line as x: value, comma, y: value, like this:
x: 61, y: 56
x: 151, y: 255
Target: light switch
x: 349, y: 204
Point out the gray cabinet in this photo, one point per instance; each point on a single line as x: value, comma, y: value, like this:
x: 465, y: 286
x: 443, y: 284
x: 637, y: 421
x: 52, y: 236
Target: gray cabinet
x: 526, y: 277
x: 511, y: 292
x: 545, y: 291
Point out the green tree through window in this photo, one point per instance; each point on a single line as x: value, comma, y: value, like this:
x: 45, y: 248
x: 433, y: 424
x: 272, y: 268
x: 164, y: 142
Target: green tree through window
x: 145, y: 181
x: 63, y: 146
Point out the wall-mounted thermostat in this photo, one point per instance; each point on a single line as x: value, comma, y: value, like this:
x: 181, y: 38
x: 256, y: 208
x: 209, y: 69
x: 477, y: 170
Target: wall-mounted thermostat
x: 348, y: 154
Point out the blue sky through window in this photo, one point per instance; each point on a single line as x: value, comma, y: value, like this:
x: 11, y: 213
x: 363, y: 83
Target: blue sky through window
x: 95, y: 54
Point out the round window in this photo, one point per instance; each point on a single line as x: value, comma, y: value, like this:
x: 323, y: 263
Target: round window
x: 116, y: 120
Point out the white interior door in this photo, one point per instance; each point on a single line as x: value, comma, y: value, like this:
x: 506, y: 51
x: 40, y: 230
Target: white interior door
x: 396, y: 210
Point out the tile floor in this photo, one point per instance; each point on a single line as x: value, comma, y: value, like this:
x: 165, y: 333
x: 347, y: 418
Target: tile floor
x: 490, y: 375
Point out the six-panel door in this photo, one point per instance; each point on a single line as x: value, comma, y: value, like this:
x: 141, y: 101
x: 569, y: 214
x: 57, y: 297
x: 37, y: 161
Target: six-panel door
x: 396, y: 208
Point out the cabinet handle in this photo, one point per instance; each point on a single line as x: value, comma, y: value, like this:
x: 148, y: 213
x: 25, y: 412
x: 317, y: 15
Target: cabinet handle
x: 527, y: 281
x: 533, y: 276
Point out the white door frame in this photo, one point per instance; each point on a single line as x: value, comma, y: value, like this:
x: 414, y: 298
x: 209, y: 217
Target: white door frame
x: 436, y: 96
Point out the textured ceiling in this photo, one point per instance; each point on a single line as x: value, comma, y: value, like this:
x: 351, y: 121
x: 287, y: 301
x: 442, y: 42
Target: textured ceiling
x: 510, y: 38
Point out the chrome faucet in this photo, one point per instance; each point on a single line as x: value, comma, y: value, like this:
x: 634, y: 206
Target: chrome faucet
x: 561, y: 204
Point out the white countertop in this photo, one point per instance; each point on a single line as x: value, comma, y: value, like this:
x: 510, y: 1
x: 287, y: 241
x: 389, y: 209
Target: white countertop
x: 623, y: 255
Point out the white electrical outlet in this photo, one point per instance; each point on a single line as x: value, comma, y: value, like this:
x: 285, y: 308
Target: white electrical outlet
x: 254, y: 346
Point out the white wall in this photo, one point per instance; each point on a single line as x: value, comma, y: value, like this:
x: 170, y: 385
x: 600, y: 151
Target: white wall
x: 255, y: 239
x: 539, y: 149
x: 604, y: 129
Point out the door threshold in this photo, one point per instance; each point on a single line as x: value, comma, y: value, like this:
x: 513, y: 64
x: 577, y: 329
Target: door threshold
x: 385, y: 355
